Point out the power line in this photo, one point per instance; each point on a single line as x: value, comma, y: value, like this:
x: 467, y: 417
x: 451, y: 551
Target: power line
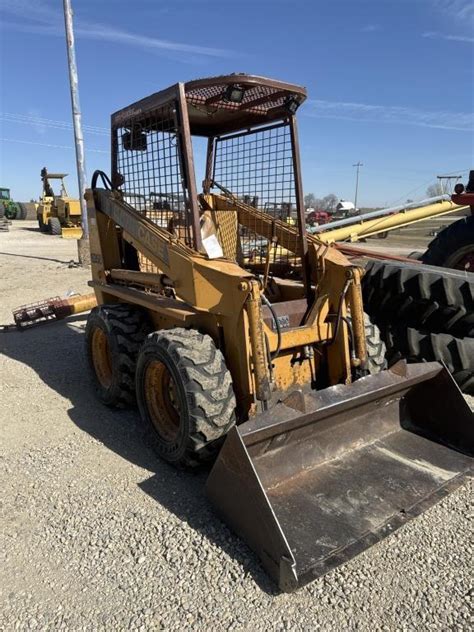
x: 425, y: 184
x: 31, y: 142
x: 44, y: 122
x: 33, y: 117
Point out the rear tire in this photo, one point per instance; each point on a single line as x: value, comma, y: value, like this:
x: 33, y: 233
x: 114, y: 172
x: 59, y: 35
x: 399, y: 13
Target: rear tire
x: 185, y: 395
x: 376, y: 350
x: 54, y: 226
x: 114, y: 334
x: 453, y: 246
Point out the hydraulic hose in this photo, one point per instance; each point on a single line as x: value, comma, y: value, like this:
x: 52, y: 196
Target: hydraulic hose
x: 277, y: 326
x: 104, y: 177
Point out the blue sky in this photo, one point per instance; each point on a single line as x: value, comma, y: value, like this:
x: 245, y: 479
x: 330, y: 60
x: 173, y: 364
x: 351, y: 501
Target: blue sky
x: 390, y: 82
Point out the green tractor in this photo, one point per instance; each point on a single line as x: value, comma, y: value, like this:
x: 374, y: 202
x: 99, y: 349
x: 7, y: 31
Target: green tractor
x: 8, y: 208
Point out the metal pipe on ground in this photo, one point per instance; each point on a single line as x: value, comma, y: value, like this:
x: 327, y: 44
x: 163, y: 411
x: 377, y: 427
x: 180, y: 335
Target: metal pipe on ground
x: 54, y: 308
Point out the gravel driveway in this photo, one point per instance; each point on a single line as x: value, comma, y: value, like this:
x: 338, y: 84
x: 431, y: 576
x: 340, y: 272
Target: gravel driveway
x: 97, y: 534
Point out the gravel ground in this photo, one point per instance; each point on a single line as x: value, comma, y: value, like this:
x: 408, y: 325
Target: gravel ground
x: 99, y: 535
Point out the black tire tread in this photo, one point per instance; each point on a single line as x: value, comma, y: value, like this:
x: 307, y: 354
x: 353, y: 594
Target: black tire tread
x: 376, y: 349
x: 423, y: 297
x: 129, y: 327
x: 54, y: 226
x: 449, y: 240
x: 28, y: 210
x: 208, y: 386
x: 456, y: 353
x: 424, y: 314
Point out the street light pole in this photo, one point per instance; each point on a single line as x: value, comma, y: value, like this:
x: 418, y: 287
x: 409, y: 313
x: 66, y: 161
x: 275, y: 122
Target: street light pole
x: 358, y: 164
x: 83, y: 243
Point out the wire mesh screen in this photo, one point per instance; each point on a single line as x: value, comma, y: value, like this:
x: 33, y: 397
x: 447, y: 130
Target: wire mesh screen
x: 257, y: 167
x: 149, y: 167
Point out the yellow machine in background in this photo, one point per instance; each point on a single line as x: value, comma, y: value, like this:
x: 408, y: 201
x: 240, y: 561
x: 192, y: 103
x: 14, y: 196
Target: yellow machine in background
x: 362, y: 226
x: 58, y: 214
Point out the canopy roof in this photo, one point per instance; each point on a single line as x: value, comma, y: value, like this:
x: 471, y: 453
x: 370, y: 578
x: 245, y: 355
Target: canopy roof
x: 210, y: 112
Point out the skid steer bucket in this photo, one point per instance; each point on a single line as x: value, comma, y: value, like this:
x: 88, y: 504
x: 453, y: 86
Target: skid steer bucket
x: 319, y: 478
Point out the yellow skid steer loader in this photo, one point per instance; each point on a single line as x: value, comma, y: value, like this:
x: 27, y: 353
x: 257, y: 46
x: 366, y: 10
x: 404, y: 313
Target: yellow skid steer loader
x: 265, y: 365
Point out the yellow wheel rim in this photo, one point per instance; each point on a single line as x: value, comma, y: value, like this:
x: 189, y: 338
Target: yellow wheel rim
x: 101, y: 357
x: 162, y: 401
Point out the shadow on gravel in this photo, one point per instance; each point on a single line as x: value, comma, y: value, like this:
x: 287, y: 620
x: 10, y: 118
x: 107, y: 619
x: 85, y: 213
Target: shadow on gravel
x: 11, y: 254
x: 55, y: 353
x: 35, y: 229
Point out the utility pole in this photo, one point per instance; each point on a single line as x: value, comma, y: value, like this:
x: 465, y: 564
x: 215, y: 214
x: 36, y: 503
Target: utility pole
x: 358, y: 164
x: 83, y: 243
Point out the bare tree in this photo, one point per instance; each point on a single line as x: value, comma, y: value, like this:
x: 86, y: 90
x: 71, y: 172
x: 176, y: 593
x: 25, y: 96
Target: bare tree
x: 329, y: 202
x: 434, y: 190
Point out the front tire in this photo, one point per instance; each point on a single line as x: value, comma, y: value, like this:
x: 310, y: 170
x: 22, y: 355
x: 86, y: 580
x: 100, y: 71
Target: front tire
x: 185, y: 395
x: 54, y: 226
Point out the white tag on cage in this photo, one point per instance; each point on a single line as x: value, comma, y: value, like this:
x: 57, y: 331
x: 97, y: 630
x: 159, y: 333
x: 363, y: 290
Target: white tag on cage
x: 212, y: 247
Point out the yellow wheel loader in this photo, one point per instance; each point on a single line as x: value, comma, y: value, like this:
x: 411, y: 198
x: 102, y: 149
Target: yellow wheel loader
x: 58, y: 214
x: 265, y: 366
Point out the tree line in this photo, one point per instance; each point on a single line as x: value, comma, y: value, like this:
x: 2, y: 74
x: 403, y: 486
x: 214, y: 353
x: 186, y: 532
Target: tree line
x: 327, y: 203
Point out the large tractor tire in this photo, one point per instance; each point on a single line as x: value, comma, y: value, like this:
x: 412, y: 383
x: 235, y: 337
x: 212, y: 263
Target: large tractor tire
x: 29, y: 210
x: 456, y: 353
x: 114, y: 335
x: 2, y: 210
x: 422, y: 297
x: 185, y: 395
x: 54, y: 226
x: 25, y: 210
x: 424, y: 313
x: 20, y: 212
x: 453, y: 247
